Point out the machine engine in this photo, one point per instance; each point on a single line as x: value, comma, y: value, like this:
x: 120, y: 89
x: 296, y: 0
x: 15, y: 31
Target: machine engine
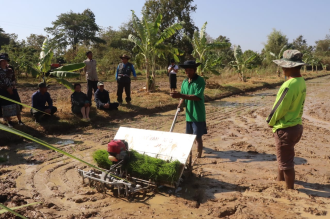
x: 118, y: 150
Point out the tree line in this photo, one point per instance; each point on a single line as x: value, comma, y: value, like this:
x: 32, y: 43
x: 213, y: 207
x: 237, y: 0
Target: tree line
x: 165, y: 31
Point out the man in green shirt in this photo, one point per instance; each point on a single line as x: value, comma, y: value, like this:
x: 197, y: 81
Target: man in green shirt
x: 285, y: 117
x: 192, y: 94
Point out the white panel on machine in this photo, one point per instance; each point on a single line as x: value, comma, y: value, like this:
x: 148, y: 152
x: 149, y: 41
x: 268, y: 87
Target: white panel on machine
x: 163, y: 145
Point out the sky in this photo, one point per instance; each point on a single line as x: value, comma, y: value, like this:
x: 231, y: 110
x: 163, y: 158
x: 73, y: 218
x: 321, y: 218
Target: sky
x: 245, y: 22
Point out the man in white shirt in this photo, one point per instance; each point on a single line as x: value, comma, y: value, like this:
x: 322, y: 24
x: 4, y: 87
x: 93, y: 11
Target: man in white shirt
x: 172, y: 70
x: 91, y: 74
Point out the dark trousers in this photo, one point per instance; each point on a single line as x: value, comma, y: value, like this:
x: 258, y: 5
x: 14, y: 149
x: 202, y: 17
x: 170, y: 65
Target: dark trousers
x: 39, y: 115
x: 91, y: 85
x: 113, y: 106
x: 120, y: 88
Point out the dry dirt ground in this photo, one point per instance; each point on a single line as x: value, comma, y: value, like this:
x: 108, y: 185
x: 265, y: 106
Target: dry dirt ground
x: 234, y: 179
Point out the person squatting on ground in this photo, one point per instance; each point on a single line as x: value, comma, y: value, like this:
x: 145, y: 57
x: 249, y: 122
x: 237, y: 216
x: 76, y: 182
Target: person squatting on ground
x: 123, y: 77
x: 192, y: 94
x: 102, y: 98
x: 172, y: 71
x: 80, y: 103
x: 285, y: 117
x: 8, y: 89
x: 91, y: 75
x: 39, y: 99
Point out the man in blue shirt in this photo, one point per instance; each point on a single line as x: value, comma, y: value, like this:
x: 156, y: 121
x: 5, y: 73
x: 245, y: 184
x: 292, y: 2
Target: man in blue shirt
x: 39, y: 100
x: 123, y: 77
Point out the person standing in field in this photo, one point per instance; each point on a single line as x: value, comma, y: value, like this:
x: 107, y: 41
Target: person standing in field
x: 80, y: 103
x: 172, y: 71
x: 8, y: 90
x: 123, y: 77
x: 285, y: 117
x: 192, y: 95
x: 91, y: 75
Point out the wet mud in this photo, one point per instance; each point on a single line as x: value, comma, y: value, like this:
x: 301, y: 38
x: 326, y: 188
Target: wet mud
x: 235, y: 178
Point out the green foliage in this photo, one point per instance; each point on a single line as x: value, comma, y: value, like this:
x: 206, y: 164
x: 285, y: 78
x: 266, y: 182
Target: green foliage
x: 146, y: 167
x: 241, y: 63
x: 173, y: 11
x: 149, y: 43
x: 44, y: 66
x: 11, y: 211
x: 19, y: 207
x: 71, y: 29
x: 101, y: 158
x: 70, y: 67
x: 275, y: 43
x: 4, y: 38
x: 204, y: 52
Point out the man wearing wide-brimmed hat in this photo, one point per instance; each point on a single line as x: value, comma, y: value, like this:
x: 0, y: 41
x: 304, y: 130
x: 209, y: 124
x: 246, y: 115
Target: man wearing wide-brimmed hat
x: 192, y: 94
x: 285, y: 117
x: 123, y: 77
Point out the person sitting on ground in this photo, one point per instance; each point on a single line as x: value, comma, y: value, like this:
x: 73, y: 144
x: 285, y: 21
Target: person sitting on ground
x: 285, y: 117
x: 8, y: 90
x: 39, y: 99
x: 80, y: 102
x: 102, y: 99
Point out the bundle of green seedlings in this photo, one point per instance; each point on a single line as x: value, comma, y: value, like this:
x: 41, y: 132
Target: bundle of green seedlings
x: 146, y: 167
x: 101, y: 158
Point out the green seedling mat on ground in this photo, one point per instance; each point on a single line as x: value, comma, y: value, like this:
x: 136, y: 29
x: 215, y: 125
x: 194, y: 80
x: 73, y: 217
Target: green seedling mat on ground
x: 145, y: 167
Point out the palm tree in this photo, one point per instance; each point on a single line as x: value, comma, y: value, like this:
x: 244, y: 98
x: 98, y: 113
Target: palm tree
x: 149, y: 43
x: 278, y: 56
x: 241, y: 64
x: 203, y: 52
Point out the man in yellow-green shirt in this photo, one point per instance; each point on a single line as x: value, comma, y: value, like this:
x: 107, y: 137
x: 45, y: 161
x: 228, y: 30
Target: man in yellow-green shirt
x: 285, y: 117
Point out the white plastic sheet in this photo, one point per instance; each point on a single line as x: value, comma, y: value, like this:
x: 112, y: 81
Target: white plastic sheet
x: 163, y: 145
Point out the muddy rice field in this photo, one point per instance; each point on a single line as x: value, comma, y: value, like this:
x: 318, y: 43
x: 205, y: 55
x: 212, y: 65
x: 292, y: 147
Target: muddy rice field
x: 235, y: 178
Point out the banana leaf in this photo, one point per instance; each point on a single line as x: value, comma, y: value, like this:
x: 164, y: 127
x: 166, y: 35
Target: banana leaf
x: 13, y: 212
x: 64, y: 74
x: 19, y: 207
x: 65, y: 83
x: 71, y: 67
x: 22, y: 104
x: 34, y: 72
x: 43, y: 143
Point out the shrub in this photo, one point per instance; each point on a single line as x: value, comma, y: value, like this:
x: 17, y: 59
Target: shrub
x: 101, y: 158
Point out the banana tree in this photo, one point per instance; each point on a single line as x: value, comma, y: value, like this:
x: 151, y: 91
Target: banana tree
x: 307, y: 60
x: 314, y: 62
x: 241, y: 64
x: 278, y: 56
x: 203, y: 52
x: 150, y: 45
x: 44, y: 72
x: 324, y: 66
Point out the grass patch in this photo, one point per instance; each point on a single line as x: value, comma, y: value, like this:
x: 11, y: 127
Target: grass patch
x: 101, y: 158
